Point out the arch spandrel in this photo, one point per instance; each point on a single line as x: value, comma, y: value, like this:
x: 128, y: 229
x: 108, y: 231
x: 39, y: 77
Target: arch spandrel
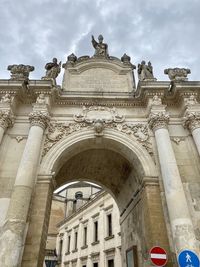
x: 83, y: 140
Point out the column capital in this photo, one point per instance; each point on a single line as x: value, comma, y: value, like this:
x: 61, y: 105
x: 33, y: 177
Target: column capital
x: 158, y: 120
x: 191, y: 120
x: 39, y: 118
x: 6, y: 118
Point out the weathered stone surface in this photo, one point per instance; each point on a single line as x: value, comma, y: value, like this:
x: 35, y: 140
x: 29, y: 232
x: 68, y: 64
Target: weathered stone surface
x: 20, y: 72
x: 120, y: 153
x: 177, y: 74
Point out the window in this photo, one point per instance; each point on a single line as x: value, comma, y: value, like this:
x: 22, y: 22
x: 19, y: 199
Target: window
x: 95, y: 231
x: 68, y: 243
x: 50, y: 263
x: 85, y: 236
x: 84, y: 266
x: 95, y: 264
x: 75, y: 240
x: 109, y: 223
x: 111, y: 263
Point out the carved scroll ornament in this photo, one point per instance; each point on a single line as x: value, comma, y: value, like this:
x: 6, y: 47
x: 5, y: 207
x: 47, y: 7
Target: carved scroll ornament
x: 158, y: 120
x: 191, y: 120
x: 94, y: 113
x: 6, y: 119
x: 57, y: 131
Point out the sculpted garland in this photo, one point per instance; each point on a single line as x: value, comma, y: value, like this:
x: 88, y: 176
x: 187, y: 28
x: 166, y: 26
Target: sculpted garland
x: 97, y: 118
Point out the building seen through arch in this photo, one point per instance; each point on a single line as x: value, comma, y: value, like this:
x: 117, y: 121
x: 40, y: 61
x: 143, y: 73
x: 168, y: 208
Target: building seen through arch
x: 89, y: 233
x: 138, y: 140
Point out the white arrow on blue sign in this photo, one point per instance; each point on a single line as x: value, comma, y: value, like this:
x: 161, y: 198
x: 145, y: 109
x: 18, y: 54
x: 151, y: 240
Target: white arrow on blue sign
x: 188, y: 258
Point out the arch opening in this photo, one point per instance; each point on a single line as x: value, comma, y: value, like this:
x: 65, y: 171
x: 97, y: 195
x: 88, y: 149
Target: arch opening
x: 121, y: 166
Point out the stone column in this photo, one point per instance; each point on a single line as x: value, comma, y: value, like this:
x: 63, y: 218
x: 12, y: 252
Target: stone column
x: 180, y: 219
x: 6, y: 121
x: 35, y: 244
x: 13, y: 235
x: 192, y: 122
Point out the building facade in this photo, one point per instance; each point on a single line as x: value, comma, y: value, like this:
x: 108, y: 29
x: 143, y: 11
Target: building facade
x: 140, y: 142
x: 66, y: 200
x: 91, y: 235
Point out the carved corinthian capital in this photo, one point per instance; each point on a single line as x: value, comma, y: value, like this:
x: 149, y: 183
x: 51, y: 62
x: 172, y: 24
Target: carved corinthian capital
x: 158, y: 120
x: 192, y: 120
x: 6, y: 119
x: 39, y: 118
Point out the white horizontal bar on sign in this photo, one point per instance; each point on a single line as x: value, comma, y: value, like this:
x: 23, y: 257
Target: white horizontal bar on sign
x: 158, y: 256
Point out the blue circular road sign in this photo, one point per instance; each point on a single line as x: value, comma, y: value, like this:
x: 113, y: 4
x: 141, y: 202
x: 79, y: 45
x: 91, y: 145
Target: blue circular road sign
x: 188, y: 258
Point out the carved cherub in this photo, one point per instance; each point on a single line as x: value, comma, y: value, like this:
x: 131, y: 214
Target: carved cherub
x: 145, y: 72
x: 191, y: 100
x: 41, y: 99
x: 156, y: 100
x: 6, y: 99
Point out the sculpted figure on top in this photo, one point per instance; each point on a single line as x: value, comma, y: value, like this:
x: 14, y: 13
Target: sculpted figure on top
x: 53, y: 69
x: 101, y: 49
x: 145, y: 72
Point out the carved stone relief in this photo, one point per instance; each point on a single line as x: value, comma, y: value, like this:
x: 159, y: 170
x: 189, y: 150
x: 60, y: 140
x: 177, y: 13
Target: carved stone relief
x: 191, y: 120
x: 94, y: 113
x: 177, y: 140
x: 6, y: 119
x: 158, y: 120
x: 19, y: 138
x: 177, y: 74
x: 98, y: 119
x: 39, y: 118
x: 20, y: 72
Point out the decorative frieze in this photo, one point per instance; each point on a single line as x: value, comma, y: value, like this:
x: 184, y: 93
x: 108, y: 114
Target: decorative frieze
x: 192, y: 120
x: 6, y: 99
x: 190, y: 101
x: 96, y: 113
x: 39, y: 118
x: 57, y: 131
x: 158, y: 120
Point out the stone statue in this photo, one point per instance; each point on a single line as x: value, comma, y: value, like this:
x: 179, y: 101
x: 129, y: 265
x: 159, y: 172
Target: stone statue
x: 41, y: 99
x: 177, y: 74
x: 20, y: 72
x: 101, y: 49
x: 145, y: 72
x: 191, y: 100
x: 53, y: 69
x: 156, y: 101
x: 6, y: 99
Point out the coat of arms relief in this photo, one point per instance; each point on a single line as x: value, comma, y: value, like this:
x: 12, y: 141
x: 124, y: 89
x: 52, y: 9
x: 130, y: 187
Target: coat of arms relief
x: 98, y: 118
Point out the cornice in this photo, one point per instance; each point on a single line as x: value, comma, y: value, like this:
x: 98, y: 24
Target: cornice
x: 171, y: 94
x: 98, y: 196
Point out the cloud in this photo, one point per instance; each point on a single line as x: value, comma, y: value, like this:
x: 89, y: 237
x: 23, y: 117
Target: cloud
x: 165, y: 32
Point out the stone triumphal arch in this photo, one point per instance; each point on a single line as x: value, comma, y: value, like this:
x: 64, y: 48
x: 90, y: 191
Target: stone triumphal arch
x: 141, y: 143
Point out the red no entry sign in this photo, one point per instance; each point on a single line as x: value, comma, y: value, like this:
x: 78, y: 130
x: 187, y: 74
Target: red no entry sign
x: 158, y: 256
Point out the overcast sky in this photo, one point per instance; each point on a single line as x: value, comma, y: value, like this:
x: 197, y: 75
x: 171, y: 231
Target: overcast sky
x: 166, y: 32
